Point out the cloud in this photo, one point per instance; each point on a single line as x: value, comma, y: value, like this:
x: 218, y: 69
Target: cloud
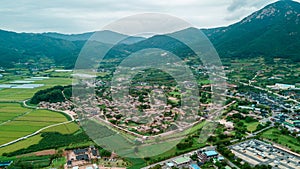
x: 241, y: 4
x: 241, y: 8
x: 74, y: 16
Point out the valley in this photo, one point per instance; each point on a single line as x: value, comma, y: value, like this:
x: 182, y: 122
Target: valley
x: 153, y: 102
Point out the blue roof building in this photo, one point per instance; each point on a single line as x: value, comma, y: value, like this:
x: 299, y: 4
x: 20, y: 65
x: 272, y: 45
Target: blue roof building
x: 221, y: 158
x: 210, y: 153
x: 5, y: 164
x: 194, y: 166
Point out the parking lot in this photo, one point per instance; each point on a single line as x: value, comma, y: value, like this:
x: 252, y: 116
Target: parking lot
x: 256, y: 152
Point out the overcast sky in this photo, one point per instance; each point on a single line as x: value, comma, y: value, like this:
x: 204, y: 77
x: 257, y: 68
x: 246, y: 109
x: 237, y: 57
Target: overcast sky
x: 76, y: 16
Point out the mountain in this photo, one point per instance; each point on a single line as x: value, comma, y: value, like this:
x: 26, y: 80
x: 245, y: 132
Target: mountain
x: 105, y: 36
x: 273, y: 31
x: 69, y: 37
x: 270, y: 32
x: 15, y: 47
x: 57, y: 48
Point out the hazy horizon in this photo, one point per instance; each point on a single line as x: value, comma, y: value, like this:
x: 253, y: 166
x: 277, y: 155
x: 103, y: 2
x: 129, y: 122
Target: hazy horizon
x: 69, y: 17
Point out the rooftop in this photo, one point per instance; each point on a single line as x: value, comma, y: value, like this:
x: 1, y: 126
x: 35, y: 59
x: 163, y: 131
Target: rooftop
x: 6, y: 163
x: 170, y: 164
x: 182, y: 160
x: 210, y: 153
x: 194, y: 166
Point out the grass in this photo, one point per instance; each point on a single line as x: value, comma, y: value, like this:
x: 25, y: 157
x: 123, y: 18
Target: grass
x: 276, y: 136
x: 57, y: 163
x: 64, y: 129
x: 251, y: 127
x: 118, y: 163
x: 204, y: 82
x: 136, y: 163
x: 190, y: 131
x: 32, y: 162
x: 22, y: 124
x: 122, y: 145
x: 17, y: 95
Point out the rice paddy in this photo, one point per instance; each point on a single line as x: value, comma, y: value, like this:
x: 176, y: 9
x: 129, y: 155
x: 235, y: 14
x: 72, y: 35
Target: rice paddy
x: 18, y: 121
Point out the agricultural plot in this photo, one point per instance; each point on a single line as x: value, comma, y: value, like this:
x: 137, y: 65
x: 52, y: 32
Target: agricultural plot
x: 64, y: 128
x: 69, y: 128
x: 27, y: 123
x: 9, y: 111
x: 21, y: 144
x: 13, y: 94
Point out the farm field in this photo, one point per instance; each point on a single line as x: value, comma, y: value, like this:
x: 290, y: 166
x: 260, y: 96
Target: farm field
x: 69, y: 128
x: 16, y: 95
x: 26, y: 123
x: 64, y: 128
x: 9, y: 111
x: 21, y: 144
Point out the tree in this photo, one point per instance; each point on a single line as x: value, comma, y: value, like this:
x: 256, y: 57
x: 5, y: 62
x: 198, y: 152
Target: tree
x: 240, y: 124
x: 105, y: 153
x: 249, y: 119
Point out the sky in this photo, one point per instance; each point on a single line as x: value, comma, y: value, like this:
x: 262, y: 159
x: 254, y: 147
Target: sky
x: 78, y: 16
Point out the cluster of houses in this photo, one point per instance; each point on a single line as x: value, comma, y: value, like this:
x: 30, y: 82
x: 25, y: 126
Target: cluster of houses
x: 81, y: 157
x: 291, y: 121
x: 149, y: 115
x: 66, y: 105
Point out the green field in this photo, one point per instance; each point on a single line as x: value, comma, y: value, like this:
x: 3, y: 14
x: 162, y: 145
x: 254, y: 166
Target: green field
x: 63, y: 129
x: 251, y: 127
x: 276, y: 136
x: 22, y: 124
x: 57, y: 163
x: 10, y: 95
x: 9, y: 111
x: 21, y: 144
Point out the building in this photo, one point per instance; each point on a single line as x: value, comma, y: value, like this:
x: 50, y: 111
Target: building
x: 5, y: 164
x: 182, y: 161
x: 80, y: 157
x: 194, y: 166
x: 256, y: 152
x: 205, y: 156
x: 211, y: 154
x: 170, y: 165
x: 84, y: 157
x: 221, y: 158
x: 296, y: 123
x: 279, y: 86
